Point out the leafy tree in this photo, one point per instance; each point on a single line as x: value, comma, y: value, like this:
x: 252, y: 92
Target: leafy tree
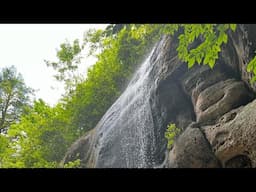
x: 68, y: 59
x: 40, y: 139
x: 25, y: 147
x: 14, y: 97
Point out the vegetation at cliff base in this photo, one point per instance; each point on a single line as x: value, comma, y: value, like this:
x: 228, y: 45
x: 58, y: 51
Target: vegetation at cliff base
x: 171, y: 134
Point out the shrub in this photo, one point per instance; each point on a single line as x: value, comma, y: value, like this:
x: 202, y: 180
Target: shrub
x: 171, y: 134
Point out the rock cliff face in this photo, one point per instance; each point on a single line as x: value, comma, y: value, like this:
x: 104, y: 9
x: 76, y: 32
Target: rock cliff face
x: 214, y: 109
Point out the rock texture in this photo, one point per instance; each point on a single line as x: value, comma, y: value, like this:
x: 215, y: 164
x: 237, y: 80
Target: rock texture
x: 220, y: 98
x: 210, y: 106
x: 82, y: 149
x: 233, y: 138
x: 192, y: 150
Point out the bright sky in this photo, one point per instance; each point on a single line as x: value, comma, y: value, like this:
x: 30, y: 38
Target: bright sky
x: 26, y: 46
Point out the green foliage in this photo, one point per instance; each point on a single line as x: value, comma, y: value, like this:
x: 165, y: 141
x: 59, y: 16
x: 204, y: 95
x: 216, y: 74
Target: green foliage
x: 3, y: 147
x: 251, y: 67
x: 94, y: 39
x: 68, y: 59
x: 14, y: 97
x: 40, y: 139
x: 171, y: 134
x: 212, y: 37
x: 3, y: 143
x: 73, y: 164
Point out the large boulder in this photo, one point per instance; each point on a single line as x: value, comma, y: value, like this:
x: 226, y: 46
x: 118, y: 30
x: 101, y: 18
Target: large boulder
x: 233, y: 138
x: 220, y: 98
x: 192, y: 150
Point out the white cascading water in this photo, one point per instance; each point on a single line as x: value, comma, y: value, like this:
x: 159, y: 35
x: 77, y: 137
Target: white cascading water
x: 131, y: 116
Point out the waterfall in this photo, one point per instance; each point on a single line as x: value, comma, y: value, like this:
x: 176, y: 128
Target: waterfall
x: 131, y: 133
x: 127, y: 129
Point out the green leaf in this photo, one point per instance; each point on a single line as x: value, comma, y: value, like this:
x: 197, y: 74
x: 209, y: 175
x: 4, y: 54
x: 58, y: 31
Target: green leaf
x: 206, y: 59
x: 251, y: 65
x: 198, y: 58
x: 253, y: 80
x: 254, y: 69
x: 211, y: 63
x: 191, y: 62
x: 225, y: 38
x: 233, y: 27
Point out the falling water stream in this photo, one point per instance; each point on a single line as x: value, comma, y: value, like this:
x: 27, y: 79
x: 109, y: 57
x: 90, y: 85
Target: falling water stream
x: 130, y: 117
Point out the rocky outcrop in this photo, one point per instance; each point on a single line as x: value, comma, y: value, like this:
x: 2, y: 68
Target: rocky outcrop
x: 233, y: 138
x: 210, y: 106
x: 220, y: 98
x: 192, y: 150
x: 82, y: 149
x: 229, y: 143
x: 217, y: 98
